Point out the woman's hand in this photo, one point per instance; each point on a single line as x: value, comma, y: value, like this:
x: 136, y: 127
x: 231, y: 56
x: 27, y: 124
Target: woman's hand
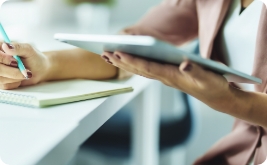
x: 35, y: 62
x: 190, y: 78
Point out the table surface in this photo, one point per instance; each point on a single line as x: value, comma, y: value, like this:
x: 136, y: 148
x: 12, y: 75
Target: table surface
x: 35, y: 136
x: 38, y: 136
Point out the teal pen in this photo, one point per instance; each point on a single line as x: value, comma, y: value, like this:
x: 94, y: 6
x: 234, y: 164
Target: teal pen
x: 20, y: 64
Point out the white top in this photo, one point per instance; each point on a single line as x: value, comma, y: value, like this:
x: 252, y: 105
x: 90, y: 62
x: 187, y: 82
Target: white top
x: 238, y: 37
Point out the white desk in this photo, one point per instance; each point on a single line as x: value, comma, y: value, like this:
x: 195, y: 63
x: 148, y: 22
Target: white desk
x: 38, y: 136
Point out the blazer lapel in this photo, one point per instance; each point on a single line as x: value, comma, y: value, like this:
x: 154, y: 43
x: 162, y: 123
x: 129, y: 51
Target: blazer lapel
x: 211, y: 14
x: 260, y: 59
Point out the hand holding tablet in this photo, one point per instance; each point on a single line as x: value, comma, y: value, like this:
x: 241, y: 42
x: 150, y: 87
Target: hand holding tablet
x: 153, y: 49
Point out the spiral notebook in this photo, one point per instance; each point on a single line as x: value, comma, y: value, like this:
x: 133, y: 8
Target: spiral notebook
x: 60, y: 92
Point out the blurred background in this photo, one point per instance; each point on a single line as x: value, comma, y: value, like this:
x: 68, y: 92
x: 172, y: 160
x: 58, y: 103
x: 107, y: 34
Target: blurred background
x: 36, y: 21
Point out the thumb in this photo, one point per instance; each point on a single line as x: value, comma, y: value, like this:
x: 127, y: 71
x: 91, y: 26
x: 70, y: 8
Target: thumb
x: 194, y: 71
x: 23, y: 50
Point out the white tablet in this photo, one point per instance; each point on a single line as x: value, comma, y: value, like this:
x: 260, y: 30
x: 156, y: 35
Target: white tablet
x: 153, y: 49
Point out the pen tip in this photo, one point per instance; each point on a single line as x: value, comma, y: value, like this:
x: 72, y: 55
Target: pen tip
x: 24, y: 72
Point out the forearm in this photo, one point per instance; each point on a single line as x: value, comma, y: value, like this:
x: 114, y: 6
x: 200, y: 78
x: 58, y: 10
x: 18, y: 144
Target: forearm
x: 248, y: 106
x: 78, y: 63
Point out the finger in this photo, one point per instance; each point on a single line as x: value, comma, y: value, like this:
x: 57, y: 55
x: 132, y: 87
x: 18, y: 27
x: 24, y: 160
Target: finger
x: 192, y: 70
x: 4, y: 80
x: 10, y: 72
x: 1, y: 43
x: 10, y: 86
x: 23, y: 50
x: 150, y: 68
x: 7, y: 60
x: 235, y: 85
x: 105, y: 56
x: 197, y: 73
x: 128, y: 31
x: 144, y: 67
x: 108, y: 57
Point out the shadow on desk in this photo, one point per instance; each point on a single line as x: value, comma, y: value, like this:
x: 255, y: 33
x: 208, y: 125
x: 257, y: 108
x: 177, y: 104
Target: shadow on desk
x: 113, y: 139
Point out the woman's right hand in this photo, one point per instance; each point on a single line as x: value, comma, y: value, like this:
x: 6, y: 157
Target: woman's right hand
x: 36, y: 63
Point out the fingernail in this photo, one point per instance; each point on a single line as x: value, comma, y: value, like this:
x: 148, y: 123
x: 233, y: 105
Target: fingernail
x: 29, y: 74
x: 109, y: 62
x: 118, y: 57
x: 105, y: 58
x: 188, y: 68
x: 10, y: 46
x: 14, y: 64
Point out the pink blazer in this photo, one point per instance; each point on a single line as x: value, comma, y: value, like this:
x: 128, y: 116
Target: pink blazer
x: 179, y: 21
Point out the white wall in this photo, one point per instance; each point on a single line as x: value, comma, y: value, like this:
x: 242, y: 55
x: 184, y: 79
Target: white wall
x: 124, y: 11
x: 129, y: 11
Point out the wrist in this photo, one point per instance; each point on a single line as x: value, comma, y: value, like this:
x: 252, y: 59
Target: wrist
x: 51, y: 66
x: 233, y: 102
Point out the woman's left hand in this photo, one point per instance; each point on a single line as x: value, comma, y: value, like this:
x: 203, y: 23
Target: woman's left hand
x: 209, y: 87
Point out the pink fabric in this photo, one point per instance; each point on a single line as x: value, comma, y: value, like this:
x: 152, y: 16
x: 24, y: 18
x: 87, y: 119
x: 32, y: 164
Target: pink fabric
x: 178, y: 21
x: 173, y: 21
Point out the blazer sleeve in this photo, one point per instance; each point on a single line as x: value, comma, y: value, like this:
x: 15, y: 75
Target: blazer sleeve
x: 173, y: 21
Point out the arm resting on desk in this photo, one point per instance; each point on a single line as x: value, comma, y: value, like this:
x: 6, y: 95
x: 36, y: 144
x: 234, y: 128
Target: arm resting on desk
x: 78, y: 63
x: 54, y: 65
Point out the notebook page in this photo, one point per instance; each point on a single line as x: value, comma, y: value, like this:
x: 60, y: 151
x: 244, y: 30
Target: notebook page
x: 63, y: 89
